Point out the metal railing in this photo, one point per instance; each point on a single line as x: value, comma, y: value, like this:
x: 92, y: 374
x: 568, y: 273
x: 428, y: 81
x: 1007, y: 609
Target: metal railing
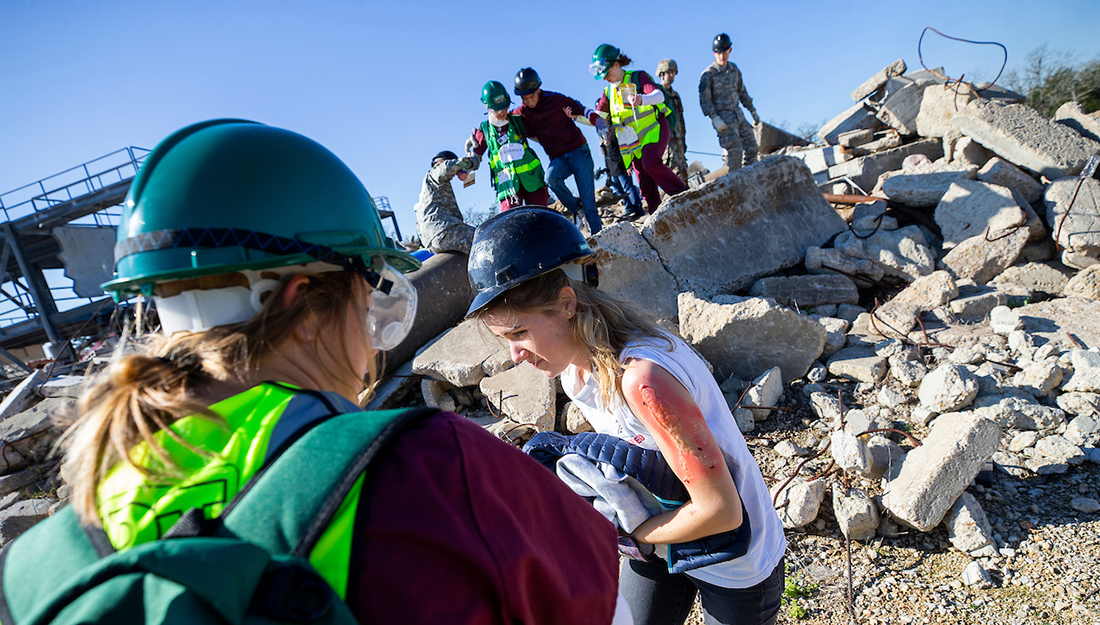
x: 72, y: 183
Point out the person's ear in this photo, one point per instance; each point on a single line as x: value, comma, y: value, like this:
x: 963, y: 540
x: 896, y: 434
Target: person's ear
x: 567, y: 299
x: 292, y: 289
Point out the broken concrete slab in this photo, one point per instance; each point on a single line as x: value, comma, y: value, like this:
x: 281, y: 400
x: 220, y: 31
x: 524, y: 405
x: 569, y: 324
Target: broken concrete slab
x: 21, y: 396
x: 855, y: 513
x: 1045, y: 277
x: 855, y: 138
x: 524, y: 394
x: 902, y: 253
x: 1085, y: 284
x: 900, y: 109
x: 807, y: 291
x: 857, y: 363
x: 835, y: 337
x: 1022, y: 136
x: 926, y: 184
x: 631, y: 270
x: 573, y: 419
x: 1072, y: 115
x: 821, y: 159
x: 835, y: 262
x: 392, y: 389
x: 1073, y: 211
x: 933, y: 475
x: 977, y: 302
x: 885, y: 455
x: 948, y: 388
x: 981, y: 258
x: 967, y: 151
x: 765, y: 391
x: 71, y: 386
x: 21, y: 516
x: 938, y: 105
x: 970, y: 208
x: 463, y: 355
x: 757, y: 220
x: 799, y: 502
x: 745, y: 336
x: 874, y: 83
x: 858, y: 117
x: 865, y: 170
x: 769, y: 138
x: 1000, y: 172
x: 30, y: 435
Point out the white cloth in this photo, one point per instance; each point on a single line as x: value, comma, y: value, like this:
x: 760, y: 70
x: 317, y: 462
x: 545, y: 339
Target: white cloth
x: 614, y: 494
x: 768, y: 542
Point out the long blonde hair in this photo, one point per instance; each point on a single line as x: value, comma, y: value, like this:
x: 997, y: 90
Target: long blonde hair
x: 603, y: 324
x: 145, y: 392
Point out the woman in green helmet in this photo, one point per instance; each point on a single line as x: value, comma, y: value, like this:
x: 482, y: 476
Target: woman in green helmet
x: 276, y: 288
x: 517, y: 173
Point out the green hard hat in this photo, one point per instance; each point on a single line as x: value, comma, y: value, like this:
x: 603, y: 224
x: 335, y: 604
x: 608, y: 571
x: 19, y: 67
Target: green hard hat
x: 602, y: 60
x: 228, y: 195
x: 495, y: 96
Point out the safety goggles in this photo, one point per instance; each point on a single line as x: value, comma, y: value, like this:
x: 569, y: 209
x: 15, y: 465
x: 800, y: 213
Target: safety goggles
x: 392, y: 307
x: 599, y: 69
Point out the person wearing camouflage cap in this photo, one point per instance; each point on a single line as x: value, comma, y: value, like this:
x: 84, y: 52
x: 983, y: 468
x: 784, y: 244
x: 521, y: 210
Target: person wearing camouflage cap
x: 721, y: 92
x: 675, y: 154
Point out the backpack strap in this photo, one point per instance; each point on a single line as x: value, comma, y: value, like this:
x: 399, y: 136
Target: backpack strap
x: 292, y: 499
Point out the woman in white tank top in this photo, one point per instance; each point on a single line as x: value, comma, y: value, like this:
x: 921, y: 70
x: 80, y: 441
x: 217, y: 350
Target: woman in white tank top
x: 635, y: 381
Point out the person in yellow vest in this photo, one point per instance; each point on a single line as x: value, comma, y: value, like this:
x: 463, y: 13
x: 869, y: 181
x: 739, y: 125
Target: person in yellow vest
x: 515, y: 168
x: 270, y: 326
x: 640, y: 121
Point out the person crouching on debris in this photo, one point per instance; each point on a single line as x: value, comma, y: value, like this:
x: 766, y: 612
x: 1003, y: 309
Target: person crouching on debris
x: 239, y: 423
x: 721, y: 94
x: 516, y: 170
x: 618, y: 177
x: 634, y: 381
x: 439, y: 222
x: 640, y: 120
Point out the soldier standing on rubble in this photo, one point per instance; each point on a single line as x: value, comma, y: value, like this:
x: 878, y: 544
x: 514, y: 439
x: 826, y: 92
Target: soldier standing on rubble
x: 439, y: 222
x: 721, y: 92
x: 675, y: 156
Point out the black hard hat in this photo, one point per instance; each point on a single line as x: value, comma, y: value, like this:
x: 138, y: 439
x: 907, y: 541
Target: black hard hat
x: 527, y: 81
x: 721, y: 43
x: 446, y: 155
x: 518, y: 245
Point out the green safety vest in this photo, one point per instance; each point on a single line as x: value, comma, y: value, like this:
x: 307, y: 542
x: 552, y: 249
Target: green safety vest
x: 527, y: 170
x: 643, y: 119
x: 135, y: 512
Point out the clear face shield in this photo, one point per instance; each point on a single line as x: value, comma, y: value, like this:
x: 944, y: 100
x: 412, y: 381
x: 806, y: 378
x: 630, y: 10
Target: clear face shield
x: 392, y: 307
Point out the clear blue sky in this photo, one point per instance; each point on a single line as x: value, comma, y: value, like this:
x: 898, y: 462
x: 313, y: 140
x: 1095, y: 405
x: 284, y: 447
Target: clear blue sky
x: 387, y: 85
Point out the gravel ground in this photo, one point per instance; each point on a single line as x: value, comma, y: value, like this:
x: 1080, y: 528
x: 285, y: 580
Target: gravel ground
x: 1046, y: 571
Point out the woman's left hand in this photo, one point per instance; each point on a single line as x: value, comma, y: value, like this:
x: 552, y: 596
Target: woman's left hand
x: 681, y: 433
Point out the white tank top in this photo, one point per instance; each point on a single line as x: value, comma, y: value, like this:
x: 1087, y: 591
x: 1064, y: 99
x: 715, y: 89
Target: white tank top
x: 768, y: 542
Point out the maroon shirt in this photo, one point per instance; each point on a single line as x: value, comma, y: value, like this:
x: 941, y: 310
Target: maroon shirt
x: 548, y: 124
x: 463, y: 528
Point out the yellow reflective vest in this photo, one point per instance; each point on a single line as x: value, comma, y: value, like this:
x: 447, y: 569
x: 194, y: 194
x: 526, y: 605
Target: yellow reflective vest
x: 642, y: 120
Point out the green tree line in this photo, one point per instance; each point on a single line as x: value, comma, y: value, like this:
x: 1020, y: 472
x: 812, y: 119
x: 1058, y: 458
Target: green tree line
x: 1049, y: 79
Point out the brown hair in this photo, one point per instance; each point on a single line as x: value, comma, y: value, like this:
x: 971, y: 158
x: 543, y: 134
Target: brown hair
x: 603, y: 324
x: 145, y: 392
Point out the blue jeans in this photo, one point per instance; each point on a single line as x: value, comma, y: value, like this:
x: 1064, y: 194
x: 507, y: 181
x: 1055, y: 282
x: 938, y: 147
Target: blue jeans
x: 578, y: 164
x: 657, y: 597
x: 624, y: 186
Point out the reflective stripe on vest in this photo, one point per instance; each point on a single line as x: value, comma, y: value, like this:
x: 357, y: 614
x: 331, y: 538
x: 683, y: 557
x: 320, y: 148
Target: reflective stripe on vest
x: 643, y: 119
x: 135, y: 511
x: 528, y: 169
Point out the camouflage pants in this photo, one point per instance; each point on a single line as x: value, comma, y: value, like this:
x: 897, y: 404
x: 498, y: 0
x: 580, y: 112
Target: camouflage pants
x: 737, y: 140
x: 675, y: 157
x: 455, y: 238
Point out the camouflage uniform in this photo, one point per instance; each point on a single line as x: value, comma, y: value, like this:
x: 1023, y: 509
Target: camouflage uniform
x: 720, y: 91
x: 675, y: 156
x: 439, y: 222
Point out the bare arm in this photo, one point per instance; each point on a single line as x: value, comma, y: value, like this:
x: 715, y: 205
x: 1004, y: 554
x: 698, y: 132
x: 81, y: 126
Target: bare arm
x: 682, y: 435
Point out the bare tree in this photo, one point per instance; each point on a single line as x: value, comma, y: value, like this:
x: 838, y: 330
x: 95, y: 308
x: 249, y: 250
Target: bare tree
x: 1049, y: 79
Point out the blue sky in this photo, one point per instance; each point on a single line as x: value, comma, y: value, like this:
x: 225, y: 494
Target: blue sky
x: 387, y: 85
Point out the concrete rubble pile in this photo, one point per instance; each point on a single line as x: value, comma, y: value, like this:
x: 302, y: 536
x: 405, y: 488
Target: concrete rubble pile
x: 942, y: 329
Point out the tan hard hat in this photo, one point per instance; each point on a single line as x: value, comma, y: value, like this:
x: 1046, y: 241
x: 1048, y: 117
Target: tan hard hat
x: 667, y: 65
